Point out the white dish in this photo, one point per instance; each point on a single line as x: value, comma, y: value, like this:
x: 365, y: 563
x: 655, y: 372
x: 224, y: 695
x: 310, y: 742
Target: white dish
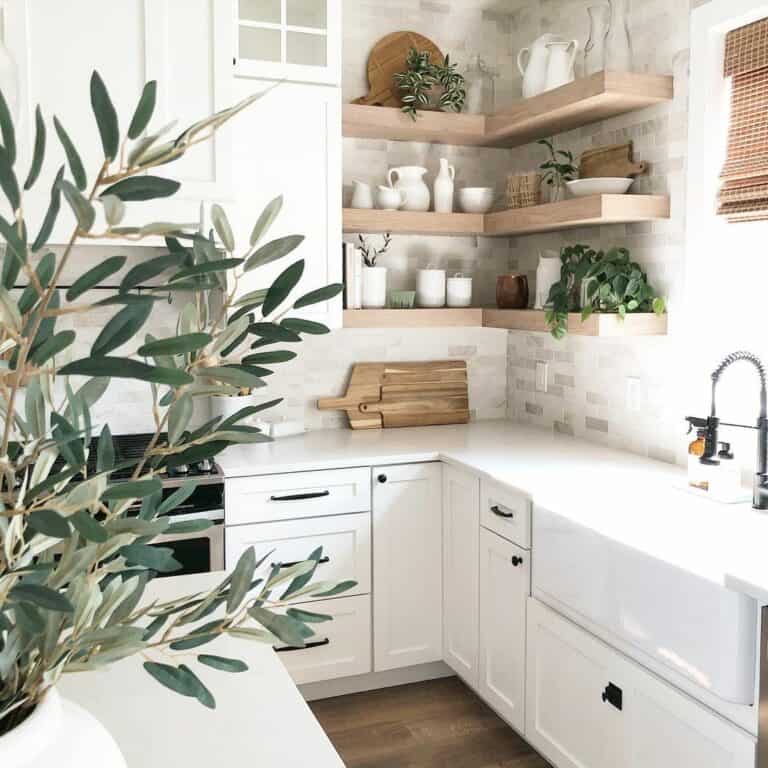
x: 606, y: 186
x: 476, y: 199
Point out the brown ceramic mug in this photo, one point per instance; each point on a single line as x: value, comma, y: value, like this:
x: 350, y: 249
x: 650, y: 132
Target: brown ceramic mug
x: 512, y: 291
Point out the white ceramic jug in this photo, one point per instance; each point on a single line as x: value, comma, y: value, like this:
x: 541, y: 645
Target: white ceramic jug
x: 560, y: 66
x: 444, y: 187
x: 535, y: 71
x: 362, y: 196
x: 410, y: 180
x: 391, y: 199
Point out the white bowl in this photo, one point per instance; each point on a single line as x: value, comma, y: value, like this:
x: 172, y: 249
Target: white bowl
x: 476, y: 199
x: 606, y: 186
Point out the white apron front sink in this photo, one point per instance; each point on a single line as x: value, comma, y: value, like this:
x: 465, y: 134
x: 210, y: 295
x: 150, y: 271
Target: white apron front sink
x: 687, y: 623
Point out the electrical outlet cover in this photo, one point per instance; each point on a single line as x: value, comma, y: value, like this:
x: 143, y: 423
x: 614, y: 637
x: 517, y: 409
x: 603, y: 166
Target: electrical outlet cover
x: 542, y: 376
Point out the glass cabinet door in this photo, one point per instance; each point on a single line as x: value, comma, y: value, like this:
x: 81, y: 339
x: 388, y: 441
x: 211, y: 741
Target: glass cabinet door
x: 295, y: 39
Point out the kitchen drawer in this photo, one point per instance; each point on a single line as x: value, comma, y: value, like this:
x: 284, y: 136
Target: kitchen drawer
x: 340, y: 648
x: 345, y: 539
x: 297, y: 495
x: 506, y: 512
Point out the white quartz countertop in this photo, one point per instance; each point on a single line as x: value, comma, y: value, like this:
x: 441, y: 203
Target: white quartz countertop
x: 260, y: 718
x: 630, y: 499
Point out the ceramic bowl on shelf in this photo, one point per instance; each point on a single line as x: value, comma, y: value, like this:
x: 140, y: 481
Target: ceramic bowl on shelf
x: 476, y: 199
x: 605, y: 186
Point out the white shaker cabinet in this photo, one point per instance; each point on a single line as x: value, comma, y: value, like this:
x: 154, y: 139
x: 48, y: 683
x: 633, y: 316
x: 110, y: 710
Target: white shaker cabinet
x: 289, y: 143
x: 461, y: 530
x: 407, y: 567
x: 186, y: 45
x: 505, y: 582
x: 295, y: 40
x: 590, y: 707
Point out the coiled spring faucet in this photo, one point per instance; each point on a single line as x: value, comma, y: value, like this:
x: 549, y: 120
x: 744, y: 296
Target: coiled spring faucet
x: 711, y: 425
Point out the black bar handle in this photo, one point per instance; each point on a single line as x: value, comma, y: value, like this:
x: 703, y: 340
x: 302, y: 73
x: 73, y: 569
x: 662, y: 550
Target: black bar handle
x: 516, y: 561
x: 496, y: 509
x: 322, y: 561
x: 614, y: 696
x: 301, y: 496
x: 308, y: 646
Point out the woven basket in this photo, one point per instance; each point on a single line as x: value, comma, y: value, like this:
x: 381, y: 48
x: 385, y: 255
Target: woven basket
x: 524, y: 190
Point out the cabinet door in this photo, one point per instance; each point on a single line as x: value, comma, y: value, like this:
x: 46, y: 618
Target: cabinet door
x: 186, y: 45
x: 299, y: 40
x: 289, y: 144
x: 505, y: 582
x: 461, y: 530
x: 407, y: 570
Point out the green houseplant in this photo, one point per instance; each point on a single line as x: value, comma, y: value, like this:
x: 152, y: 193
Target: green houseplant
x: 557, y: 169
x: 421, y: 76
x: 73, y: 565
x: 599, y: 281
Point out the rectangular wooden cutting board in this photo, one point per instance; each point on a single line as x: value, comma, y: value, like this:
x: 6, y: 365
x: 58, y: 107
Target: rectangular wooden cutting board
x: 382, y: 395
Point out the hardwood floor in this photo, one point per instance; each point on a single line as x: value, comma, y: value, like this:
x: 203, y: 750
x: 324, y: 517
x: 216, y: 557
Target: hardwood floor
x: 438, y: 724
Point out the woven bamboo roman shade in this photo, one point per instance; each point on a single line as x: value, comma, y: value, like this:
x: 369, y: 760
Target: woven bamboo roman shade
x: 744, y: 191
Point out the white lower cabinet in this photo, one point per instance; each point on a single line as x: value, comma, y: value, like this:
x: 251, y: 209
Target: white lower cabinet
x: 587, y: 706
x: 407, y: 565
x: 340, y: 648
x: 505, y: 579
x: 461, y: 554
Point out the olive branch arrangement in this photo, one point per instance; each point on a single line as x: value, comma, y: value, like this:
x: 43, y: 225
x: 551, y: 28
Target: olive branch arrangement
x: 74, y: 565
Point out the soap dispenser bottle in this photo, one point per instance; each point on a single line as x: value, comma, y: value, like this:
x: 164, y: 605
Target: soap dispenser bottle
x: 698, y: 477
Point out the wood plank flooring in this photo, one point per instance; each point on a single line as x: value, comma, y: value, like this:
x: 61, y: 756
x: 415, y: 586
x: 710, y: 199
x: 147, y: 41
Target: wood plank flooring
x: 426, y: 725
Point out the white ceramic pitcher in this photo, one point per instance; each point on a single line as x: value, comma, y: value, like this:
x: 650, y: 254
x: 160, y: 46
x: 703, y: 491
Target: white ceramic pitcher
x: 560, y: 66
x: 410, y: 181
x: 535, y: 70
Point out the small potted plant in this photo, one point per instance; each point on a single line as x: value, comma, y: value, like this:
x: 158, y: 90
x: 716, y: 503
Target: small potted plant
x: 374, y: 277
x: 557, y: 170
x: 428, y: 85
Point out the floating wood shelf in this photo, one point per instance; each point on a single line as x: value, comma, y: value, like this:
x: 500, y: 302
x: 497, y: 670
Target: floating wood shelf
x: 605, y: 325
x: 584, y: 101
x: 413, y: 223
x: 551, y: 217
x: 413, y: 318
x: 634, y: 324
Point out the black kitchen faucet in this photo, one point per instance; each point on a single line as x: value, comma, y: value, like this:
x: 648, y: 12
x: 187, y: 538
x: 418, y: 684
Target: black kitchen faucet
x: 709, y: 427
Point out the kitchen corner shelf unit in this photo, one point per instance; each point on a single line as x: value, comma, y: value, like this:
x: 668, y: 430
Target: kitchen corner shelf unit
x: 584, y: 101
x: 550, y: 217
x: 602, y: 325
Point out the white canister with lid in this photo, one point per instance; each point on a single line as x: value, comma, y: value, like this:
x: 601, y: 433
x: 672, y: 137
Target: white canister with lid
x: 459, y: 291
x: 430, y: 287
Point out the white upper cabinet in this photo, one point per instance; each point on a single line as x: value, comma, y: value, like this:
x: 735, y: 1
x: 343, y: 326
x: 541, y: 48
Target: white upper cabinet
x: 299, y: 40
x: 186, y: 45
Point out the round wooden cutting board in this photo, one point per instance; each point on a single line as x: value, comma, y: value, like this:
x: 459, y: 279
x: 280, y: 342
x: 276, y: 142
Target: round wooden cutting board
x: 386, y: 59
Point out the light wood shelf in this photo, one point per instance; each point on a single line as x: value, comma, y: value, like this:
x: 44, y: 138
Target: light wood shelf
x: 413, y: 223
x: 584, y: 101
x: 470, y: 317
x: 590, y: 211
x: 532, y: 320
x: 605, y: 325
x: 551, y: 217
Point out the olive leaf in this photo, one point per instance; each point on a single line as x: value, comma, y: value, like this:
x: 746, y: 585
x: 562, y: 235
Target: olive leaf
x: 223, y: 228
x: 267, y: 218
x: 82, y: 208
x: 95, y: 276
x: 277, y: 249
x: 39, y: 151
x: 141, y: 188
x: 125, y: 368
x: 106, y: 117
x: 282, y: 287
x: 144, y: 110
x: 122, y: 327
x: 7, y: 130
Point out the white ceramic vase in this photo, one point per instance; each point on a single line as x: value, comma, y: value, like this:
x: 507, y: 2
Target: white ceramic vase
x: 362, y: 196
x: 430, y: 288
x: 410, y: 181
x: 560, y: 65
x: 374, y: 287
x: 534, y: 70
x: 227, y: 406
x: 547, y: 274
x: 444, y: 187
x: 62, y: 734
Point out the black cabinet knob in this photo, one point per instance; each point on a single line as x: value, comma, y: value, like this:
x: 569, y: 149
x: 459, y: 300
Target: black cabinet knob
x: 382, y: 478
x: 516, y: 561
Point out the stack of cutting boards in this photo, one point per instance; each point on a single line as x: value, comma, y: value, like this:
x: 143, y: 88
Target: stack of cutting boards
x: 404, y: 395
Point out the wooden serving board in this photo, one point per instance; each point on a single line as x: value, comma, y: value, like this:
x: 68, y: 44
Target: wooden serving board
x: 388, y: 58
x: 611, y: 162
x: 404, y: 395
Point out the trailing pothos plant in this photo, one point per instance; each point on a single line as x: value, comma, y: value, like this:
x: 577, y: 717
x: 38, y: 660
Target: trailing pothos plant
x: 74, y: 565
x: 599, y: 281
x: 421, y: 76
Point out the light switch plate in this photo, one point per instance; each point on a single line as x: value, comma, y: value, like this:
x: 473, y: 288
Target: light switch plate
x: 542, y: 376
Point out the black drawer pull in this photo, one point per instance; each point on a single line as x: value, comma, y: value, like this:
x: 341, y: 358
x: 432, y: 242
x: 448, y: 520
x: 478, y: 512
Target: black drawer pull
x: 322, y: 561
x: 308, y: 646
x: 301, y: 496
x: 496, y: 509
x: 614, y: 696
x: 516, y: 561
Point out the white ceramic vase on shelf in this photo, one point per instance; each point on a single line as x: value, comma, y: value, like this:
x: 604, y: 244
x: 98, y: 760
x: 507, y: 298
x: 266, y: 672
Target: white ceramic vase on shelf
x: 374, y: 287
x: 430, y: 288
x: 444, y: 187
x: 362, y: 195
x: 560, y: 64
x: 410, y: 181
x: 618, y: 43
x: 62, y: 734
x: 534, y: 71
x: 594, y: 51
x: 547, y: 274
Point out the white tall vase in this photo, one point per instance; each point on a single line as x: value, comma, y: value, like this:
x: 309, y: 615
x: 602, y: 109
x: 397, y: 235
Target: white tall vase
x: 444, y: 187
x: 62, y: 734
x: 374, y: 287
